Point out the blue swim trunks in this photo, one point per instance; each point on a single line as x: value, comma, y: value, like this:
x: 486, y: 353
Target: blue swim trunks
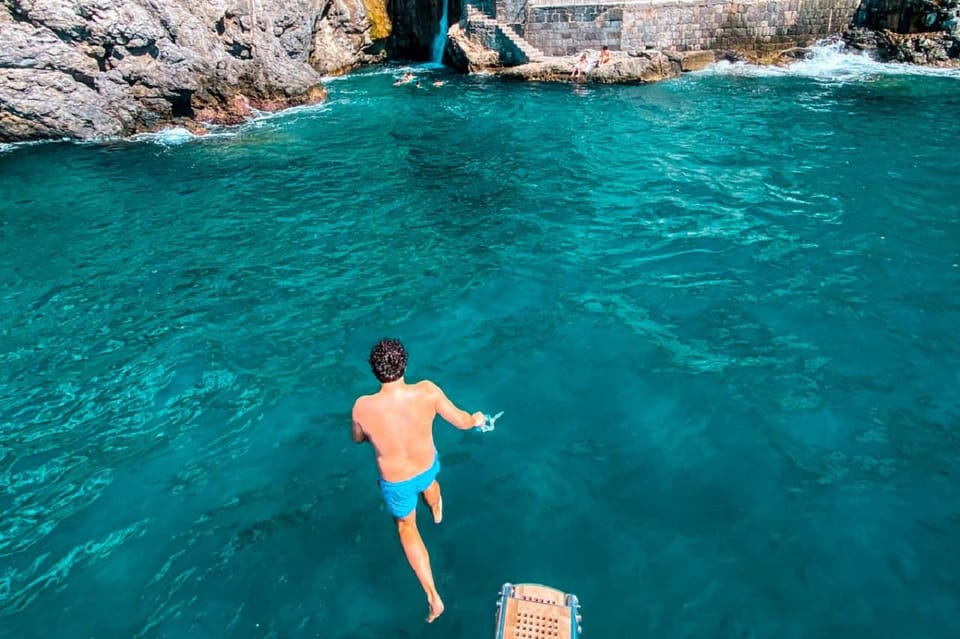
x: 401, y: 496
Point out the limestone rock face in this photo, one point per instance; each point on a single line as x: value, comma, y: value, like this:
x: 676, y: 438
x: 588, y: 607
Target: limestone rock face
x: 914, y: 31
x: 693, y: 60
x: 95, y: 68
x: 352, y: 32
x: 937, y: 49
x: 634, y: 68
x: 468, y: 53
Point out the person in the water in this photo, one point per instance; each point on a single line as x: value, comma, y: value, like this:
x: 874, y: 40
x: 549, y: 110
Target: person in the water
x: 398, y: 421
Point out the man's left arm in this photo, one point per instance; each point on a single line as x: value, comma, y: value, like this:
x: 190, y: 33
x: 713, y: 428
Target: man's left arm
x: 357, y: 431
x: 358, y: 435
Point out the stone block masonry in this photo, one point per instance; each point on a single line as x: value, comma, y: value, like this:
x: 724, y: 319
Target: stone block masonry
x: 564, y: 27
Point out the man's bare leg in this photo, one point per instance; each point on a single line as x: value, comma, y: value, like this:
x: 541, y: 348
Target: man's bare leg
x: 419, y: 560
x: 435, y: 500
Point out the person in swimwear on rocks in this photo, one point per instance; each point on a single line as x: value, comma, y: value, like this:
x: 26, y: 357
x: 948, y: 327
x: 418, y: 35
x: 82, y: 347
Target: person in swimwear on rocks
x: 398, y: 422
x: 604, y: 55
x: 581, y: 67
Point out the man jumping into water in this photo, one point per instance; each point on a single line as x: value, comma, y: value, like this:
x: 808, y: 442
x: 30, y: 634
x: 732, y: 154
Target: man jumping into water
x: 398, y: 421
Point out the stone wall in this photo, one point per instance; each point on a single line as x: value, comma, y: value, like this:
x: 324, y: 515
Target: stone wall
x: 493, y: 39
x: 513, y: 12
x: 563, y: 27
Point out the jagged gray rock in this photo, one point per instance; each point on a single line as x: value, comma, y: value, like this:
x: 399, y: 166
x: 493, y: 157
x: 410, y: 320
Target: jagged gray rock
x: 100, y: 68
x: 935, y: 49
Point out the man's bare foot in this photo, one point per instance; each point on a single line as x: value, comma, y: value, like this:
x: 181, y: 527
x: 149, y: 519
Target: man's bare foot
x: 436, y: 607
x: 438, y: 511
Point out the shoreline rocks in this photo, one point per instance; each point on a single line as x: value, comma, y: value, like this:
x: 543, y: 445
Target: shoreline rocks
x: 90, y: 69
x: 94, y: 69
x: 940, y: 49
x: 648, y: 66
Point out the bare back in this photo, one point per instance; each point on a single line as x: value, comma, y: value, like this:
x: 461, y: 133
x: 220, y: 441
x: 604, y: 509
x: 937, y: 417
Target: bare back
x: 398, y: 421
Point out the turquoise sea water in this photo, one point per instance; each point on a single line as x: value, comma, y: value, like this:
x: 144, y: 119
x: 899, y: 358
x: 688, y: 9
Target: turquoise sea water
x: 720, y: 314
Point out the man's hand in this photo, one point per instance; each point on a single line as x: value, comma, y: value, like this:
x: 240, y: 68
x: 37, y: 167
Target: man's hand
x: 459, y: 418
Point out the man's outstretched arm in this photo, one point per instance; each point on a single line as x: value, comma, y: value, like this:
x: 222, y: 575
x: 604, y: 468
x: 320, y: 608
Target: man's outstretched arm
x: 459, y: 418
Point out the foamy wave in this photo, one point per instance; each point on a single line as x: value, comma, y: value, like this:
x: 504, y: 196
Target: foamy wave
x: 262, y: 116
x: 176, y: 136
x: 7, y: 147
x: 831, y: 61
x: 168, y: 137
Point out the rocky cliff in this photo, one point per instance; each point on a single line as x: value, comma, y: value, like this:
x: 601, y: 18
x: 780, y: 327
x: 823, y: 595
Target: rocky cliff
x: 914, y: 31
x: 99, y: 68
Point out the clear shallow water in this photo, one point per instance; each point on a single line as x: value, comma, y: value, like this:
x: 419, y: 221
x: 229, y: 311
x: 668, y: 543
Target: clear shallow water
x: 719, y: 313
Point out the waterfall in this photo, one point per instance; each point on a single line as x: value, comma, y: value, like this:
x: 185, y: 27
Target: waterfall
x: 440, y: 41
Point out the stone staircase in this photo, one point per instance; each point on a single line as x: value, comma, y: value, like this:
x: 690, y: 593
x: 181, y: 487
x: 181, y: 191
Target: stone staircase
x: 527, y: 51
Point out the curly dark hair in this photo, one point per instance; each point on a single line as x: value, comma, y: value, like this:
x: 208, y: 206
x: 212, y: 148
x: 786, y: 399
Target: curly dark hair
x: 388, y: 360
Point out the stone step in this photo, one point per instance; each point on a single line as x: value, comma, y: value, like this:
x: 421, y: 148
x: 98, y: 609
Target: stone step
x: 528, y: 49
x: 475, y: 15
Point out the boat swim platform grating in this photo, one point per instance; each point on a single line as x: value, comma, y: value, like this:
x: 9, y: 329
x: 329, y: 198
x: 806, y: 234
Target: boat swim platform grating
x: 534, y: 611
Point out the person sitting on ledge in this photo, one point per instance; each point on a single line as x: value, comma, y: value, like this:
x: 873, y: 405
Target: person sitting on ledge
x: 580, y: 69
x: 604, y: 55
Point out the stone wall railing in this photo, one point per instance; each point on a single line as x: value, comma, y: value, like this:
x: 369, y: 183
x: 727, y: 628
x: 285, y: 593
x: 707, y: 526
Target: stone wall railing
x: 564, y: 27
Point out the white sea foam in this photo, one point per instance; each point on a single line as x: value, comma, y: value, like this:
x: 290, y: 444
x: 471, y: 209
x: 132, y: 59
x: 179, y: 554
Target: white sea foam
x: 7, y: 147
x: 176, y: 136
x: 262, y: 116
x: 168, y: 137
x: 831, y: 61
